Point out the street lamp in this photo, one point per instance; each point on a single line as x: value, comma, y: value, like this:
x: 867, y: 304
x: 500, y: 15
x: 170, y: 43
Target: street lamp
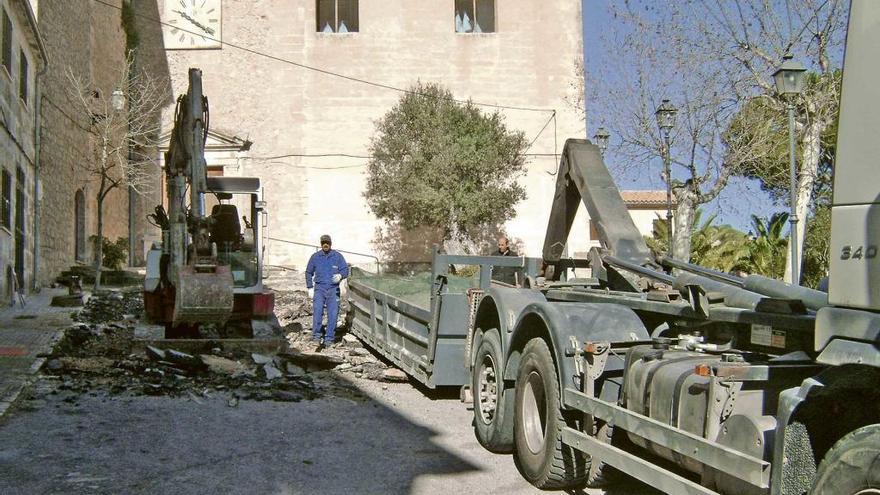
x: 665, y: 115
x: 117, y: 99
x: 789, y: 78
x: 601, y: 139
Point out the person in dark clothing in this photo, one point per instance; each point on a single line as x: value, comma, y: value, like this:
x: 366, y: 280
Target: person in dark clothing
x: 325, y: 271
x: 506, y: 274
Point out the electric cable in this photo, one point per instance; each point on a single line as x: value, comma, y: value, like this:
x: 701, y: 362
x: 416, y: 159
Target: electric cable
x: 357, y: 80
x: 323, y: 71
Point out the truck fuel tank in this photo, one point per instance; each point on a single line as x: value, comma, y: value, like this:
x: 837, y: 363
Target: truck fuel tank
x: 660, y: 382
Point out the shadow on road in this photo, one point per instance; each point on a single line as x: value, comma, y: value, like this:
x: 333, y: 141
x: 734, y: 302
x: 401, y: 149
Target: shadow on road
x: 61, y: 442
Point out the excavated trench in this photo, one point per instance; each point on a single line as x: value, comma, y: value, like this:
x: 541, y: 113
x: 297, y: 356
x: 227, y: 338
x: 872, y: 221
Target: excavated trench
x: 103, y: 351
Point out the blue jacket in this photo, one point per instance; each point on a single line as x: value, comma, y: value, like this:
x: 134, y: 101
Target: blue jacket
x: 322, y: 267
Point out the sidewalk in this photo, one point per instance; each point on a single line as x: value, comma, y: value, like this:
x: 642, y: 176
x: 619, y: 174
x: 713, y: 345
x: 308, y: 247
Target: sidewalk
x: 25, y: 333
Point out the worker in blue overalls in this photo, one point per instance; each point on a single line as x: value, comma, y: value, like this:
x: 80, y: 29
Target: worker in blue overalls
x: 325, y: 271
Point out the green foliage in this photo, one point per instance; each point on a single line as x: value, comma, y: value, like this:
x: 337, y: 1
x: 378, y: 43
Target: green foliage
x: 757, y: 141
x: 440, y: 163
x: 817, y: 247
x: 114, y: 253
x: 767, y: 249
x: 719, y: 247
x: 723, y: 248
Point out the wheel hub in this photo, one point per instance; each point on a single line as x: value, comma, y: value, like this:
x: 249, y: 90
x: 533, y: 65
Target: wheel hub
x: 534, y: 412
x: 488, y: 392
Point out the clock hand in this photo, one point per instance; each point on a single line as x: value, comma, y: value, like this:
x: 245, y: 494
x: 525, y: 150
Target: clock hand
x: 195, y: 22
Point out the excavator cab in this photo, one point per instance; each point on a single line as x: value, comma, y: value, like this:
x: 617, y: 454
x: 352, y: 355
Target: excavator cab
x: 225, y: 228
x: 232, y: 200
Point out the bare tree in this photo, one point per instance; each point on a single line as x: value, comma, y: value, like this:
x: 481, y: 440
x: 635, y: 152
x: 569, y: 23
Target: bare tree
x: 711, y: 57
x: 124, y: 125
x: 575, y: 98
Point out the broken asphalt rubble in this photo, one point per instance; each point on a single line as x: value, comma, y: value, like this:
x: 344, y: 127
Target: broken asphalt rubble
x: 101, y: 352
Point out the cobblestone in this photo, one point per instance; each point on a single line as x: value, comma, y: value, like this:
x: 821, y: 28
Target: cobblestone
x: 27, y: 333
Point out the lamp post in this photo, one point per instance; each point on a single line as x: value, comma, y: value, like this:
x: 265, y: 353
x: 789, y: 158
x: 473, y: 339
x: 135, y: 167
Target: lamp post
x: 601, y: 139
x: 117, y: 99
x: 665, y: 115
x: 789, y: 78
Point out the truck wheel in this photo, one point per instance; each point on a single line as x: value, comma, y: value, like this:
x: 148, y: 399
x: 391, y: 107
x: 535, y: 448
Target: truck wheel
x: 493, y: 409
x: 852, y: 466
x: 540, y: 454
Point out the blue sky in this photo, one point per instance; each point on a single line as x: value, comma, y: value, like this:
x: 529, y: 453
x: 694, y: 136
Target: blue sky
x: 741, y: 197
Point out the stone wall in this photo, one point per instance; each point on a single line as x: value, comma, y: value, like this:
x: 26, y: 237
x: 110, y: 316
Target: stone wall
x: 86, y: 38
x: 17, y: 149
x: 288, y: 110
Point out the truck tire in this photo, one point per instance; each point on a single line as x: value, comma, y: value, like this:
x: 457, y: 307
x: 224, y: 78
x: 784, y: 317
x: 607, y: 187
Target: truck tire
x: 493, y: 409
x: 852, y: 466
x: 540, y: 455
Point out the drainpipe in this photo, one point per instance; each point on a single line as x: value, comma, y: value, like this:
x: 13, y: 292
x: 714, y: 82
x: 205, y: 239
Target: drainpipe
x: 133, y: 260
x: 38, y: 108
x: 38, y: 189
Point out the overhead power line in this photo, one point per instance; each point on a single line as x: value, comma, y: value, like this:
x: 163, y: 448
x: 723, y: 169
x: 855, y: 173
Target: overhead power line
x: 324, y: 71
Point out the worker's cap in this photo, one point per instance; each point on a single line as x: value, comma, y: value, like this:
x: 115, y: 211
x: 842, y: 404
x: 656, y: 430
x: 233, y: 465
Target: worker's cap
x: 325, y: 239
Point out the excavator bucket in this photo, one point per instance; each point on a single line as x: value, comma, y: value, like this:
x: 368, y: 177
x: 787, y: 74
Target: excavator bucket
x: 202, y: 297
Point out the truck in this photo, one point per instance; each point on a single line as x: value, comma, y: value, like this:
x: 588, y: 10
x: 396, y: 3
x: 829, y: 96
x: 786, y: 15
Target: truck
x: 688, y: 379
x: 208, y: 268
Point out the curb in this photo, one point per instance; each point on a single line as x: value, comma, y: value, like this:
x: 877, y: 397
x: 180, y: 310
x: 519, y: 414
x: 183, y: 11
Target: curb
x: 27, y: 378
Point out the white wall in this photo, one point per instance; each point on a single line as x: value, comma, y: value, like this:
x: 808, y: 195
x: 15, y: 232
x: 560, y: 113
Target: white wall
x: 284, y: 109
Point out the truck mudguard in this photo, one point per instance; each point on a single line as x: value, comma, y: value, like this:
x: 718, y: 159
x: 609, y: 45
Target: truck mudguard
x: 500, y: 308
x: 559, y: 322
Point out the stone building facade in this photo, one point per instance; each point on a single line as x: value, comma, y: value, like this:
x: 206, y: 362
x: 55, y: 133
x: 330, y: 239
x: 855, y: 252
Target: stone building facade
x: 87, y: 39
x: 310, y: 130
x: 22, y: 59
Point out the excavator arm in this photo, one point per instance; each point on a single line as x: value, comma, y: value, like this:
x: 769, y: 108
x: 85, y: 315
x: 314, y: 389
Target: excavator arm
x: 186, y: 284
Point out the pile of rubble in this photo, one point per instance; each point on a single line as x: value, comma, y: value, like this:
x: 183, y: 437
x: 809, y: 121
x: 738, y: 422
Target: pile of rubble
x: 106, y: 357
x: 101, y: 352
x: 294, y: 311
x: 112, y: 305
x: 350, y: 356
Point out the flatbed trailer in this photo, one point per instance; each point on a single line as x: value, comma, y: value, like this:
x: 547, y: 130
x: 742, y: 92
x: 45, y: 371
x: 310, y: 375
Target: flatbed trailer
x: 401, y: 327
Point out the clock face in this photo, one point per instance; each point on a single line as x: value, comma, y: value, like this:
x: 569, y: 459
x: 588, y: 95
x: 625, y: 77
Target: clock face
x: 191, y: 24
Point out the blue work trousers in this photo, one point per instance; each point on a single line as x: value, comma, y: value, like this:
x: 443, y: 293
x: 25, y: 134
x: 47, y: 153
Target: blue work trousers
x: 325, y: 295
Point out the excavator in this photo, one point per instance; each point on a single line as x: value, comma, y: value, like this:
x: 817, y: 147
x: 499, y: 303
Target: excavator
x: 207, y: 269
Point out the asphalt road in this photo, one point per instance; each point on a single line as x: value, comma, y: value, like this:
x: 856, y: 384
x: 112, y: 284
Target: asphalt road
x: 363, y: 437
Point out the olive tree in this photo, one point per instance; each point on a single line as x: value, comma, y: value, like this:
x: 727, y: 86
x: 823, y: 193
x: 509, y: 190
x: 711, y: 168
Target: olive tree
x: 443, y: 164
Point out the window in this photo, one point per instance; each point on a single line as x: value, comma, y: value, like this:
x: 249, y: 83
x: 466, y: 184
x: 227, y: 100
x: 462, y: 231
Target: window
x: 337, y: 16
x: 7, y: 42
x: 6, y: 202
x: 474, y: 16
x: 23, y: 78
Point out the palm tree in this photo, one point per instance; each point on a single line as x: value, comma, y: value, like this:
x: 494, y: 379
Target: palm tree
x: 767, y: 249
x: 720, y: 247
